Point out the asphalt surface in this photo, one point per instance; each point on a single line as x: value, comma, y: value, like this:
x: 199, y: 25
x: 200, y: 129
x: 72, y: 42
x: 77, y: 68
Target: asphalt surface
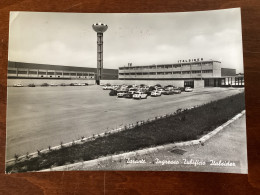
x: 42, y: 116
x: 228, y: 146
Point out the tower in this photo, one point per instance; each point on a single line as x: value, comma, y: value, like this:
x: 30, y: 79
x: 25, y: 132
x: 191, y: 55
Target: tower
x: 100, y: 28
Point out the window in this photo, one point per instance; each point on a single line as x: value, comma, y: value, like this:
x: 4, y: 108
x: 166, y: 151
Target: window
x: 11, y: 71
x: 185, y: 72
x: 206, y: 71
x: 196, y: 72
x: 160, y: 73
x: 176, y: 66
x: 32, y: 72
x: 22, y: 72
x: 178, y: 72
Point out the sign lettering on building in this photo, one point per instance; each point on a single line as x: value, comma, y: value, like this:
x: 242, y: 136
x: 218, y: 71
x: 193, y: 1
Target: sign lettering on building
x: 191, y: 60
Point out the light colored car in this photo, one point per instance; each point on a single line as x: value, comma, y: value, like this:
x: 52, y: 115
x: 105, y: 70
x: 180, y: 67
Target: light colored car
x: 107, y: 87
x: 18, y: 85
x: 121, y: 94
x: 188, y: 89
x: 53, y: 84
x: 160, y: 90
x: 139, y: 95
x: 156, y: 93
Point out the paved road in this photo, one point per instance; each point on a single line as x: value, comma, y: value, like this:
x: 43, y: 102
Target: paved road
x: 228, y: 145
x: 42, y: 116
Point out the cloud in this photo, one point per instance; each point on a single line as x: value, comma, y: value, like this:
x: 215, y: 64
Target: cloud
x: 143, y: 39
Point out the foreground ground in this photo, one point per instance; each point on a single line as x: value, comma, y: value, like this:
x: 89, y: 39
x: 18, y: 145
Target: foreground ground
x: 39, y: 117
x: 227, y: 145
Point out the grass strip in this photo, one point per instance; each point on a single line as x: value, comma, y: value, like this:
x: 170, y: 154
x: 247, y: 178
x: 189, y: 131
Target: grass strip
x: 187, y: 125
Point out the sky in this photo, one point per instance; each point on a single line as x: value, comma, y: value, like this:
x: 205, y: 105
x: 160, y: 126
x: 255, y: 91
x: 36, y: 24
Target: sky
x: 141, y: 39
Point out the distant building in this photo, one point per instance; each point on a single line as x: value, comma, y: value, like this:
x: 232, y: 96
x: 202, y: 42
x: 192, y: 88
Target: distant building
x: 45, y: 71
x: 210, y: 71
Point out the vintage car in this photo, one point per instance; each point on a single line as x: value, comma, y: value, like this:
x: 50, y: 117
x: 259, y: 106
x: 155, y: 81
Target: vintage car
x: 121, y: 94
x: 18, y: 85
x: 44, y: 85
x: 107, y: 87
x: 156, y: 93
x: 168, y: 92
x: 139, y: 95
x: 188, y: 89
x: 31, y: 85
x: 176, y: 90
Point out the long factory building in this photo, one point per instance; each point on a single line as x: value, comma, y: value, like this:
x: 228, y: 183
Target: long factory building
x: 23, y: 70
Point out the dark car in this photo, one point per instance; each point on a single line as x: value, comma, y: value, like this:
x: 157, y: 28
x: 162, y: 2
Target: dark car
x: 113, y: 93
x: 177, y: 91
x: 31, y: 85
x: 168, y: 92
x: 129, y: 95
x: 62, y: 84
x: 45, y: 85
x: 181, y: 88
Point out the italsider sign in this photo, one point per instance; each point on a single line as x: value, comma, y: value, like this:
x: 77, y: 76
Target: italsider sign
x: 191, y: 60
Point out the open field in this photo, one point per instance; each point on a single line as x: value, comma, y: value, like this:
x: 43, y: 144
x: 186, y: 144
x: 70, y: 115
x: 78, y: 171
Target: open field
x: 39, y: 117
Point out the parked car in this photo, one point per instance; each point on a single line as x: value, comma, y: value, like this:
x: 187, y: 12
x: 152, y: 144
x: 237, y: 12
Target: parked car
x: 18, y: 85
x: 139, y: 95
x: 129, y: 95
x: 177, y: 91
x: 45, y: 85
x: 62, y: 84
x: 160, y: 89
x: 53, y: 84
x: 113, y: 92
x: 155, y: 93
x: 168, y: 92
x: 121, y: 94
x: 188, y: 89
x: 107, y: 87
x: 182, y: 88
x: 31, y: 85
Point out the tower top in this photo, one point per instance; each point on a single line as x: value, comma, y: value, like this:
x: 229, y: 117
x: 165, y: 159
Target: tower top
x: 99, y: 27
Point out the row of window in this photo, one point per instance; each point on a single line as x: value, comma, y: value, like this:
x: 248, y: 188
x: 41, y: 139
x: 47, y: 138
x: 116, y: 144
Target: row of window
x: 50, y: 73
x: 165, y: 73
x: 165, y: 66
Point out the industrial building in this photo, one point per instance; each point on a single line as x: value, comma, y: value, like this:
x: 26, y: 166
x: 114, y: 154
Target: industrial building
x: 23, y: 70
x: 211, y: 72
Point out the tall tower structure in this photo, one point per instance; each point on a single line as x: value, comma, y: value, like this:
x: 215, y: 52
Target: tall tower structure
x: 100, y: 28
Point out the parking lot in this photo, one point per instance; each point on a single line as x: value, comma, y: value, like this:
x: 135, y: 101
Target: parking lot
x: 42, y: 116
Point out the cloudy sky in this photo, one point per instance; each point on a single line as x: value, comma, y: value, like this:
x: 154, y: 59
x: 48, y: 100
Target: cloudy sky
x: 142, y: 39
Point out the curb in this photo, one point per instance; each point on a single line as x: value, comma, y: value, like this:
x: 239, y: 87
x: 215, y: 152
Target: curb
x: 117, y: 157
